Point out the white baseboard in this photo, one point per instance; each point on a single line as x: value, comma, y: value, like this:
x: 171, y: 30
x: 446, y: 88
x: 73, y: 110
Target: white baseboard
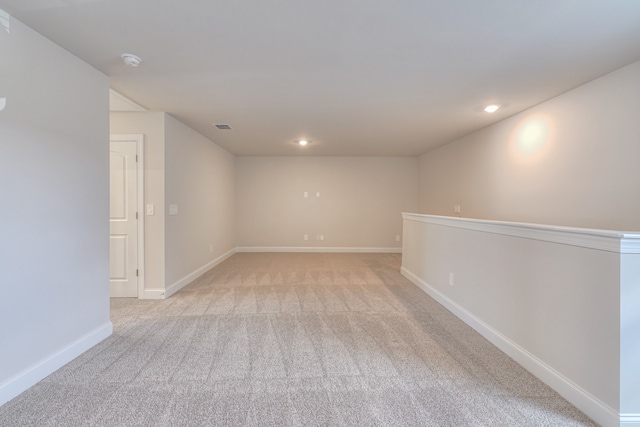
x: 318, y: 249
x: 153, y: 294
x: 175, y: 287
x: 629, y: 420
x: 582, y: 399
x: 32, y: 375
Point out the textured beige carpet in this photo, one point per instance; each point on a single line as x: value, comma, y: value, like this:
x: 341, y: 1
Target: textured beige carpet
x: 292, y: 339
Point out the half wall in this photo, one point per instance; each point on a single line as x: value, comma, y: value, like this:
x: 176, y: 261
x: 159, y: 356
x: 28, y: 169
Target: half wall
x: 560, y: 301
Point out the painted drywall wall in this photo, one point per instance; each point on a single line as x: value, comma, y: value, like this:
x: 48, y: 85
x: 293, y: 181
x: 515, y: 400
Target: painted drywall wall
x: 572, y: 160
x: 199, y: 180
x: 182, y: 168
x: 151, y: 125
x: 560, y: 301
x: 360, y: 203
x: 54, y: 188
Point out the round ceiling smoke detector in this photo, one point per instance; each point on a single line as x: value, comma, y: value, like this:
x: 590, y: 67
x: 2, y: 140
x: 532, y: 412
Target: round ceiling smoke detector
x: 131, y: 60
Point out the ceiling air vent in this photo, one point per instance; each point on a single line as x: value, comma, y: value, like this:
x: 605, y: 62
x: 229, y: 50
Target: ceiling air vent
x: 223, y: 127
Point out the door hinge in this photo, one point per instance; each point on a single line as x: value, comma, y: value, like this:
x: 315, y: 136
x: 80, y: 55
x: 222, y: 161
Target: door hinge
x: 136, y: 158
x: 136, y: 272
x: 136, y: 215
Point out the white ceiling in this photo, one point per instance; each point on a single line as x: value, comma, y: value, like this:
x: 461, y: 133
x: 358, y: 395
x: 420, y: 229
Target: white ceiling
x: 357, y: 77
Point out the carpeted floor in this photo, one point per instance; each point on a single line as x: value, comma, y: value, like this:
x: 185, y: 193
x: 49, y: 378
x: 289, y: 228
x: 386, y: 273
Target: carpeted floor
x: 292, y: 340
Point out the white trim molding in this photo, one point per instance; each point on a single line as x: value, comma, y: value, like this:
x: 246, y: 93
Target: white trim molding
x: 630, y: 244
x: 175, y: 287
x: 316, y: 249
x: 30, y: 376
x: 629, y: 420
x: 605, y: 240
x: 153, y: 294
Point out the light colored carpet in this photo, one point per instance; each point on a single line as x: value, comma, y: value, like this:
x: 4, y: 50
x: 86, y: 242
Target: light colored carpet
x: 292, y: 340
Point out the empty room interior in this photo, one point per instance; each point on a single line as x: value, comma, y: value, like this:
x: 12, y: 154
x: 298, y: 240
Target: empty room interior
x: 320, y: 213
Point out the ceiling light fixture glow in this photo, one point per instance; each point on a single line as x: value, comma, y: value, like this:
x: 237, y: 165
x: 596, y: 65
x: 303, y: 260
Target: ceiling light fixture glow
x: 303, y: 142
x: 130, y: 59
x: 491, y: 108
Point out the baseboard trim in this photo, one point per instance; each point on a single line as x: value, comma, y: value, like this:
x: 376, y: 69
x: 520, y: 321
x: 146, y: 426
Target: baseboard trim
x: 318, y: 249
x: 153, y: 294
x: 32, y: 375
x: 175, y: 287
x: 630, y: 420
x: 582, y: 399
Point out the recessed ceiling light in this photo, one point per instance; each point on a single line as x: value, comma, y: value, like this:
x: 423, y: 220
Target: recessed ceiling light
x: 303, y: 142
x: 222, y: 127
x: 130, y: 59
x: 491, y: 108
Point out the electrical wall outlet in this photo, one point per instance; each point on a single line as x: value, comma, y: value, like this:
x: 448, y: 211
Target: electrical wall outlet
x: 397, y: 238
x: 456, y: 208
x: 306, y: 237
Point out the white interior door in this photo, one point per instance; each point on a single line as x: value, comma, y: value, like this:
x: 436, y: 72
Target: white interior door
x: 123, y: 223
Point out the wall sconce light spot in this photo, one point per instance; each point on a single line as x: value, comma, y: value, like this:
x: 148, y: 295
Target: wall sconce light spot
x: 531, y: 138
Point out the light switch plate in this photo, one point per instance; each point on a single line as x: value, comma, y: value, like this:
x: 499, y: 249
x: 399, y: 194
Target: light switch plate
x: 173, y: 209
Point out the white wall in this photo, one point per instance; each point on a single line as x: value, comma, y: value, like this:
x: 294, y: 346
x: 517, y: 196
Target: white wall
x: 151, y: 125
x: 561, y: 302
x: 572, y: 160
x: 200, y: 180
x: 360, y: 203
x: 184, y: 168
x: 54, y: 190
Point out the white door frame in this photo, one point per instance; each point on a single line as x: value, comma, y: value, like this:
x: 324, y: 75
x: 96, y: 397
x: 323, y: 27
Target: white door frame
x: 139, y: 140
